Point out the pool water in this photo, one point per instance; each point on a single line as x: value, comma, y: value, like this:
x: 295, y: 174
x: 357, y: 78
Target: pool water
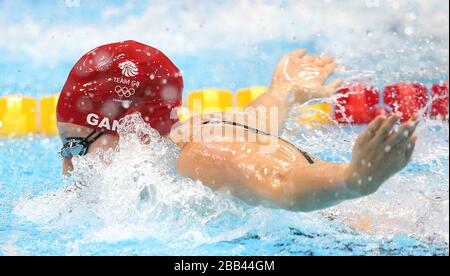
x: 108, y: 216
x: 138, y: 205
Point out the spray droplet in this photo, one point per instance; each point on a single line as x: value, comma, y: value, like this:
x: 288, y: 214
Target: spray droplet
x: 126, y: 104
x: 388, y: 149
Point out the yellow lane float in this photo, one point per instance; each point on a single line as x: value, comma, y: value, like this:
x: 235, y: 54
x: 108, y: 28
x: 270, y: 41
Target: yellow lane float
x: 17, y: 115
x: 210, y: 100
x: 48, y: 115
x: 316, y: 115
x: 246, y: 96
x: 183, y: 114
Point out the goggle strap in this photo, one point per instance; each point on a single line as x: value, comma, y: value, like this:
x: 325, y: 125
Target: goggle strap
x: 91, y: 138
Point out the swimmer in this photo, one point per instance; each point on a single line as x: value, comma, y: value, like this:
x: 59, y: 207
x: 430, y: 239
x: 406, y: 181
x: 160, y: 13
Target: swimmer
x: 242, y: 152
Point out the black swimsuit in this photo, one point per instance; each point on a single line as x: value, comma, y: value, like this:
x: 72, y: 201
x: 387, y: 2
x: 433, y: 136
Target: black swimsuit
x: 257, y: 131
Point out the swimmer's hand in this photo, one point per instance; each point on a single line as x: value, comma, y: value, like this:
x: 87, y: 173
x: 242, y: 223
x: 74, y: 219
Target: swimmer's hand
x: 305, y: 76
x: 380, y: 152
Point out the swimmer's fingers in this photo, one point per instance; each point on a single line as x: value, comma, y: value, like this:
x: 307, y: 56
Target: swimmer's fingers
x: 385, y: 129
x: 333, y: 86
x: 403, y: 134
x: 324, y: 61
x: 311, y: 59
x: 411, y: 145
x: 372, y: 129
x: 403, y: 152
x: 327, y: 71
x: 300, y: 53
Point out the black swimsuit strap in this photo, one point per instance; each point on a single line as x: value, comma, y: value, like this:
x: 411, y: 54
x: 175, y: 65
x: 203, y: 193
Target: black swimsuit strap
x: 257, y: 131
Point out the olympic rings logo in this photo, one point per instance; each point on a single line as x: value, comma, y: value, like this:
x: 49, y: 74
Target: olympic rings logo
x: 124, y: 91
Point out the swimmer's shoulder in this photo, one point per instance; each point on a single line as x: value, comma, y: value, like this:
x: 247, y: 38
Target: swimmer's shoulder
x: 183, y: 131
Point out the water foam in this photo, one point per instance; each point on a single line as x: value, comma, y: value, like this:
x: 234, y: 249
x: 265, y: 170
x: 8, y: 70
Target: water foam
x: 138, y: 194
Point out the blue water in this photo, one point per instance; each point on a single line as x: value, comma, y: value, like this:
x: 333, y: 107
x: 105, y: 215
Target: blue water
x: 226, y: 44
x: 408, y: 216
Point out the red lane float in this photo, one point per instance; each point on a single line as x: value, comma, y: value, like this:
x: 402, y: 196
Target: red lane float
x: 406, y: 98
x: 439, y: 97
x: 360, y: 104
x: 357, y: 104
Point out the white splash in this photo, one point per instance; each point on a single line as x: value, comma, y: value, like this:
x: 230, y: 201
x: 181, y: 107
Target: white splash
x: 138, y: 194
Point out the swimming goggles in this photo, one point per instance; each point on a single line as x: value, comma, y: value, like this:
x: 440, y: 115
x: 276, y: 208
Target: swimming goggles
x: 78, y: 146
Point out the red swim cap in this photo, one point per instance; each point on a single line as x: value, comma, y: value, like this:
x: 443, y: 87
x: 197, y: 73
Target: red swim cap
x: 119, y: 79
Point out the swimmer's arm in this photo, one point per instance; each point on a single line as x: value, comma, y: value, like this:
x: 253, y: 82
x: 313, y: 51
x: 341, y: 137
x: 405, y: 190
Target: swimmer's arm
x: 277, y: 180
x: 297, y: 79
x: 379, y: 153
x: 259, y: 180
x: 319, y: 186
x: 271, y: 110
